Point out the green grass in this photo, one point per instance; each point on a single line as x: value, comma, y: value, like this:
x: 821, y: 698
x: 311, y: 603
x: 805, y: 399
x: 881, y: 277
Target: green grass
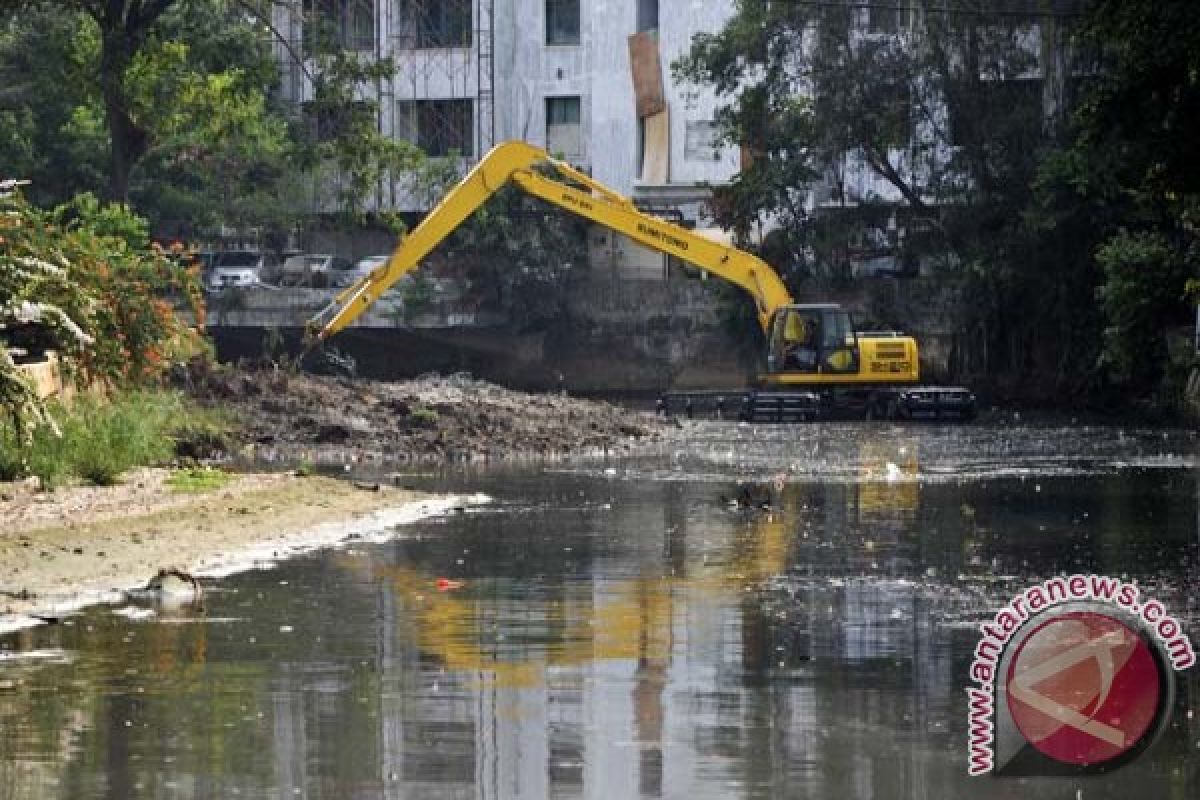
x: 104, y: 437
x: 424, y: 416
x: 197, y: 480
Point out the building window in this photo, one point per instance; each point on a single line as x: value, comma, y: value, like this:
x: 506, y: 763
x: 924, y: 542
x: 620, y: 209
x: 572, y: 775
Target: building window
x: 647, y: 15
x: 700, y: 141
x: 562, y: 21
x: 330, y: 121
x: 1009, y: 110
x: 347, y: 23
x: 883, y: 16
x: 564, y: 134
x: 428, y: 24
x: 438, y: 127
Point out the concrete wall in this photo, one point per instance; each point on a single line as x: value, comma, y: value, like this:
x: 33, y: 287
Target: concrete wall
x: 620, y: 334
x: 47, y: 377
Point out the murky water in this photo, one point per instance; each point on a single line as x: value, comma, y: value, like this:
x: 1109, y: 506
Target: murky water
x: 621, y: 632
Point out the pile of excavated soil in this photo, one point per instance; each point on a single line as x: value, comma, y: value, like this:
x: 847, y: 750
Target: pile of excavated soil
x: 434, y: 417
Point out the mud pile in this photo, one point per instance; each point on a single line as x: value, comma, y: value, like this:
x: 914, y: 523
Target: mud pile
x: 438, y: 417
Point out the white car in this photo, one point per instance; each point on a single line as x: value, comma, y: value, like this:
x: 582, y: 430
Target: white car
x: 312, y: 269
x: 342, y: 277
x: 235, y: 269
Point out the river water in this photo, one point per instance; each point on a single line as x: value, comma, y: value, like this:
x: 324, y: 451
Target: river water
x: 621, y: 631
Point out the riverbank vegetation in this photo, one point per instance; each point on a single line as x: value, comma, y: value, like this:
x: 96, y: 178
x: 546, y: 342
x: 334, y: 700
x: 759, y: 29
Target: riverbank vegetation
x: 1040, y: 160
x: 97, y: 438
x: 84, y: 281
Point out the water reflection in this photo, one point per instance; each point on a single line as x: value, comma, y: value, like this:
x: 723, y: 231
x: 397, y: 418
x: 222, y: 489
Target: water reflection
x: 613, y: 638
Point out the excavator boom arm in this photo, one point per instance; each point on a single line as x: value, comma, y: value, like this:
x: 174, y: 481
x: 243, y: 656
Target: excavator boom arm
x: 513, y: 162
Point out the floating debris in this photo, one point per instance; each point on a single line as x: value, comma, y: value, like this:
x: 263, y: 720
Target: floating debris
x: 175, y: 583
x: 134, y: 612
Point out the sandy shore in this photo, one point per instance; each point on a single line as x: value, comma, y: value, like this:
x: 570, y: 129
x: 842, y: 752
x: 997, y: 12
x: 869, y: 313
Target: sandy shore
x: 82, y: 545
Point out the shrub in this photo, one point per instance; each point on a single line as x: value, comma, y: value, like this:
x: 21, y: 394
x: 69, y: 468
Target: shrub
x: 86, y: 278
x: 101, y: 438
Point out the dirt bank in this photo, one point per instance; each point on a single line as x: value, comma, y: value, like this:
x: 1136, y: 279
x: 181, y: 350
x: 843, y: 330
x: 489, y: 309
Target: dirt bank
x: 63, y: 549
x: 432, y: 417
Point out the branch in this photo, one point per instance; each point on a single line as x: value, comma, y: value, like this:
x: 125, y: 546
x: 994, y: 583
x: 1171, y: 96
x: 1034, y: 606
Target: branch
x: 141, y: 15
x: 246, y: 6
x: 93, y: 8
x: 884, y: 167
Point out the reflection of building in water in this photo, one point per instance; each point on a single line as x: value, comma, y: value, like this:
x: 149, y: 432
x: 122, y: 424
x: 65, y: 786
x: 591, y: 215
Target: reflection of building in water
x: 888, y: 487
x: 877, y: 619
x: 569, y: 690
x: 621, y: 686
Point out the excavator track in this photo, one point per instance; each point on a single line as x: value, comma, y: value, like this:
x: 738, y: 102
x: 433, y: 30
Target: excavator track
x: 917, y: 403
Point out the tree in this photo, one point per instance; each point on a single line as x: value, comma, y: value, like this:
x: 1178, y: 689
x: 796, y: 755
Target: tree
x: 949, y: 111
x: 510, y: 255
x: 84, y: 280
x: 1131, y: 173
x: 931, y: 105
x: 174, y: 106
x: 342, y: 139
x: 46, y: 64
x: 196, y: 131
x: 124, y: 28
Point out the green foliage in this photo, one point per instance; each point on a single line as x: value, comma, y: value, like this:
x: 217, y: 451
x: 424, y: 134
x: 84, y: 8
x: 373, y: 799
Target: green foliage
x: 43, y: 307
x: 53, y: 135
x: 175, y: 107
x: 344, y: 133
x: 101, y: 438
x: 417, y: 294
x: 110, y: 220
x: 919, y: 111
x: 1143, y: 275
x: 198, y: 480
x: 516, y: 254
x: 197, y: 134
x: 1127, y: 186
x: 84, y: 280
x: 424, y: 417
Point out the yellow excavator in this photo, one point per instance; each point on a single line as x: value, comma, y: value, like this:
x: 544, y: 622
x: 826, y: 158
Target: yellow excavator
x: 817, y: 364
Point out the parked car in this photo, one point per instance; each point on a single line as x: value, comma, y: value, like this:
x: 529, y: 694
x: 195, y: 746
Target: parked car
x: 354, y: 272
x: 235, y: 268
x: 311, y: 269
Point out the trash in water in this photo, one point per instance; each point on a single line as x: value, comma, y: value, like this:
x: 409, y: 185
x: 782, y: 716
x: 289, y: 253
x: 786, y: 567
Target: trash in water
x: 175, y: 583
x: 134, y: 613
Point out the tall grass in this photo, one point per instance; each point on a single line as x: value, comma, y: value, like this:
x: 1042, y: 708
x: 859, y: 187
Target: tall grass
x: 104, y: 437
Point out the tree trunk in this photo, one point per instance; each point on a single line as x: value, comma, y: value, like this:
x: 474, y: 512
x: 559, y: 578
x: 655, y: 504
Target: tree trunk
x: 127, y: 141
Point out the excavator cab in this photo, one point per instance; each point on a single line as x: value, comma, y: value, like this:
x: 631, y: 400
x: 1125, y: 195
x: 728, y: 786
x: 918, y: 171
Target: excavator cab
x: 813, y: 339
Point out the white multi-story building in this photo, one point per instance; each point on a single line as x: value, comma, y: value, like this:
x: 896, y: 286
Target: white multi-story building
x: 587, y: 79
x: 556, y: 73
